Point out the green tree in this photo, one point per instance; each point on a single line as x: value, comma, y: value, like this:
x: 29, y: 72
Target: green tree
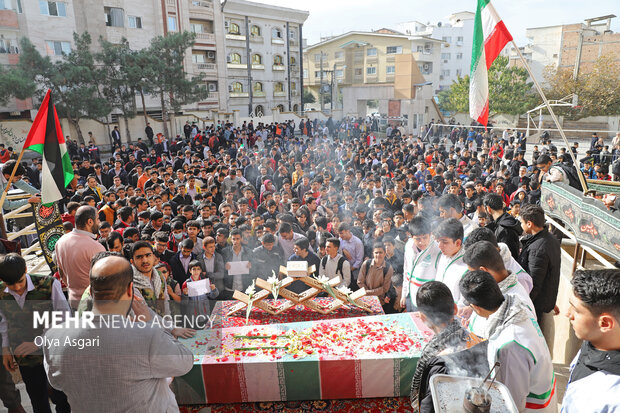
x: 74, y: 81
x: 509, y: 91
x: 598, y: 89
x: 308, y: 97
x: 164, y: 74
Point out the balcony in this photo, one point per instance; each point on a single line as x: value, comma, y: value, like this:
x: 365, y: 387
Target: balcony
x: 203, y: 9
x: 213, y: 96
x: 258, y: 67
x: 277, y: 40
x: 236, y: 65
x: 259, y: 94
x: 239, y: 94
x: 230, y: 36
x: 257, y: 39
x: 278, y: 68
x: 205, y: 37
x: 207, y: 68
x: 279, y: 94
x: 171, y: 4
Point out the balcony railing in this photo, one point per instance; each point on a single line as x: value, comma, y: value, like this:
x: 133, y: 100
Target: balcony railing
x: 278, y: 67
x: 213, y: 96
x: 230, y: 36
x: 279, y: 94
x: 239, y: 94
x: 205, y: 37
x: 205, y: 67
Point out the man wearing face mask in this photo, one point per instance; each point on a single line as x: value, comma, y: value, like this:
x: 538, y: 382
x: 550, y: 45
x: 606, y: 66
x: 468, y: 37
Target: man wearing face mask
x: 75, y: 250
x: 134, y: 362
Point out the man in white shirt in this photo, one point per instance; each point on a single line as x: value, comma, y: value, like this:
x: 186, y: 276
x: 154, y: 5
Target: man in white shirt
x: 334, y: 264
x: 483, y: 255
x: 450, y: 267
x: 420, y: 262
x: 515, y: 341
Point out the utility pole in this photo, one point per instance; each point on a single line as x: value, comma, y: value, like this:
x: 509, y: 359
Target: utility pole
x: 321, y: 81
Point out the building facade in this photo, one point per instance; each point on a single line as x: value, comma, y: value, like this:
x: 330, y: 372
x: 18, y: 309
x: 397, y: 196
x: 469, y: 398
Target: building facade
x: 262, y: 48
x: 457, y: 37
x: 366, y: 58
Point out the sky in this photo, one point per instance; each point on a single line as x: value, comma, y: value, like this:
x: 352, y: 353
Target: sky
x: 334, y: 17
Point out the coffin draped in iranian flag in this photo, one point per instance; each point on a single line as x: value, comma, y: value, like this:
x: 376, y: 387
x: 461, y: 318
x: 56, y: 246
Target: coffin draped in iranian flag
x: 317, y: 360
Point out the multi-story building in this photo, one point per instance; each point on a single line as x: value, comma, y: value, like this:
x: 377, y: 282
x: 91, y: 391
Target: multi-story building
x: 249, y: 53
x: 367, y: 58
x: 262, y: 45
x: 574, y: 47
x: 457, y: 35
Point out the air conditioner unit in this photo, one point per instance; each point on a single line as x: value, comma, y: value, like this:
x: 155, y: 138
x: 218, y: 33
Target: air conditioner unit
x: 212, y: 87
x: 445, y: 61
x: 226, y: 24
x: 228, y: 59
x: 211, y: 54
x: 426, y: 66
x: 230, y: 88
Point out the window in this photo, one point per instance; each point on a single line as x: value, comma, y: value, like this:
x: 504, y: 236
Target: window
x: 292, y: 34
x: 196, y: 28
x: 276, y: 33
x: 459, y: 56
x: 237, y: 87
x: 445, y: 73
x: 459, y: 72
x: 390, y: 70
x: 305, y: 73
x: 371, y: 70
x: 280, y: 108
x: 371, y: 52
x: 12, y: 5
x: 447, y: 39
x: 257, y: 59
x: 277, y: 60
x: 233, y: 28
x: 358, y: 72
x: 172, y: 24
x: 258, y: 87
x: 293, y: 60
x: 53, y: 8
x: 459, y: 39
x: 317, y: 57
x: 420, y: 48
x: 394, y: 50
x: 317, y: 73
x: 55, y: 48
x: 199, y: 58
x: 339, y: 73
x: 114, y: 17
x: 293, y: 86
x: 234, y: 58
x: 135, y: 22
x: 255, y: 31
x: 445, y: 56
x: 258, y: 110
x: 339, y: 55
x: 278, y: 87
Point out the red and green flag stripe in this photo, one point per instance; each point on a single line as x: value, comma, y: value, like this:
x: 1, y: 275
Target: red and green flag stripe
x: 46, y: 138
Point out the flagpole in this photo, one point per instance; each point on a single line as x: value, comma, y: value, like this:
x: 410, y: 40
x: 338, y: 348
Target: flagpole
x: 8, y: 184
x: 584, y: 184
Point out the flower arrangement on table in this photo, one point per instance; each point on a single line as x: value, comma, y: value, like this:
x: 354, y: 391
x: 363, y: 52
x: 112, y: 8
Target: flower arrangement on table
x: 250, y: 291
x: 346, y: 339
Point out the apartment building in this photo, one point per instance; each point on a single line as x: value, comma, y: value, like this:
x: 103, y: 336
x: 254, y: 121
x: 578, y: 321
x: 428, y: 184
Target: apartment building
x: 457, y: 35
x: 368, y: 58
x: 262, y: 46
x: 574, y: 47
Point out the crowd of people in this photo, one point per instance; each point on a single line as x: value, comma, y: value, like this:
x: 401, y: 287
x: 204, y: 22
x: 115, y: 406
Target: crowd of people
x: 447, y: 223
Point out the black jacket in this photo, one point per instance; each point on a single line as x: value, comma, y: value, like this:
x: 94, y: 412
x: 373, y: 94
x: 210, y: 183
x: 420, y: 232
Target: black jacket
x: 246, y: 255
x: 178, y: 272
x: 508, y: 230
x: 264, y: 261
x: 541, y: 257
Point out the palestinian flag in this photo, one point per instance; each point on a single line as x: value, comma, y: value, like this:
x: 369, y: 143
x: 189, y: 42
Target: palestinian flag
x: 45, y: 137
x: 490, y: 37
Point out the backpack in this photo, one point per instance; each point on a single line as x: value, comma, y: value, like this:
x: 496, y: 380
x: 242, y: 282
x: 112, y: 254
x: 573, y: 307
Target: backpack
x: 339, y: 266
x: 571, y: 173
x: 386, y: 267
x: 615, y: 167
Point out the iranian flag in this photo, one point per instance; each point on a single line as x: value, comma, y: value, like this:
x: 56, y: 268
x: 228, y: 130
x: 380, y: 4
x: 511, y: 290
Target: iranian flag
x: 490, y: 37
x: 45, y: 137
